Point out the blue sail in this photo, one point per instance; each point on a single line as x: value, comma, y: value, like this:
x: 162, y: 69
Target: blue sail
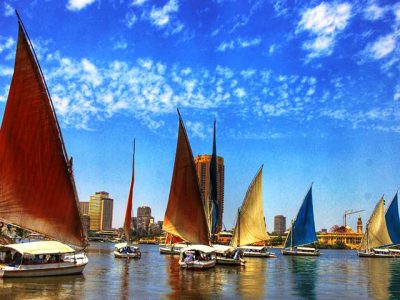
x: 303, y: 229
x: 393, y: 221
x: 213, y: 187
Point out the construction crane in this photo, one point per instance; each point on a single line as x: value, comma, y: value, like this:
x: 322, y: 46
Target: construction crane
x: 350, y: 212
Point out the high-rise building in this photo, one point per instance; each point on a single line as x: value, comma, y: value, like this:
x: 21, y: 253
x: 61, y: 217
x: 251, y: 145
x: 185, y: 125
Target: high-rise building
x: 280, y: 224
x: 84, y: 207
x: 203, y: 172
x: 144, y: 217
x: 101, y: 211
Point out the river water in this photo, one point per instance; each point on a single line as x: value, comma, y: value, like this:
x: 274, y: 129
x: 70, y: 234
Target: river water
x: 335, y: 274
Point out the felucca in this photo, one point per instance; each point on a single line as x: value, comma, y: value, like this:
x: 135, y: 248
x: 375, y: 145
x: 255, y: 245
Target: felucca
x: 302, y: 231
x: 37, y: 189
x: 226, y: 255
x: 126, y: 250
x: 250, y: 223
x: 185, y: 216
x: 376, y: 238
x: 393, y: 224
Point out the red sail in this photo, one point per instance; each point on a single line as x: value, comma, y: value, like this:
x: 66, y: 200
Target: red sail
x: 128, y: 213
x: 171, y: 239
x: 185, y: 216
x: 37, y: 190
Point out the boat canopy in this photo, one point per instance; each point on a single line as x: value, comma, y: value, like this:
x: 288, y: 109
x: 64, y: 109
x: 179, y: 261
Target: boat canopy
x: 250, y: 223
x: 201, y: 248
x: 303, y: 229
x: 223, y: 248
x: 40, y: 247
x: 258, y: 248
x: 376, y: 234
x: 123, y: 245
x: 306, y: 248
x: 393, y: 221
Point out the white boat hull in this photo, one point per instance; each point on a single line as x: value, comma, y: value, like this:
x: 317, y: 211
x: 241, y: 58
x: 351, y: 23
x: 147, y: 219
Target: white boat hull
x: 259, y: 254
x: 230, y: 261
x: 126, y: 255
x: 198, y: 264
x: 377, y: 255
x: 42, y: 270
x: 300, y: 253
x: 169, y: 251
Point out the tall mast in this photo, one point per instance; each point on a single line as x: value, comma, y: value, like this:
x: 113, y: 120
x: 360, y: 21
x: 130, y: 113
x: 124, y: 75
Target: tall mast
x: 238, y: 241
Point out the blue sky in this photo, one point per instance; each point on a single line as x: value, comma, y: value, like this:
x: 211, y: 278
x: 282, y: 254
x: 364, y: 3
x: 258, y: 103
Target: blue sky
x: 310, y: 89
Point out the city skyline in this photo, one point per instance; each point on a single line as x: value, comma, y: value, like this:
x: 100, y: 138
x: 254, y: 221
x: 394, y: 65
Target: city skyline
x: 310, y: 90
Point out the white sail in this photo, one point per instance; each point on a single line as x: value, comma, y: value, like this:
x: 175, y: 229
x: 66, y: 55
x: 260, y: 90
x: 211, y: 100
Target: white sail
x: 376, y: 234
x: 250, y: 224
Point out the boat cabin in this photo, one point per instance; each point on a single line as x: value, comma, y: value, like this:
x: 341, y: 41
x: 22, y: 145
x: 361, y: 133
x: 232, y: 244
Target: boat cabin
x: 36, y: 253
x: 254, y: 249
x: 123, y: 248
x: 197, y: 253
x: 228, y: 251
x: 307, y: 249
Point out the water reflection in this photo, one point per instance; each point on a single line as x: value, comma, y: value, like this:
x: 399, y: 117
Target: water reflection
x: 199, y: 284
x: 41, y: 287
x: 394, y: 283
x: 336, y: 274
x: 377, y: 271
x: 304, y: 275
x: 252, y: 279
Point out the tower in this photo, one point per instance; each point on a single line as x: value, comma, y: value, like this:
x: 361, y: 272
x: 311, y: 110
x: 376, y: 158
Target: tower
x: 359, y: 225
x: 203, y: 173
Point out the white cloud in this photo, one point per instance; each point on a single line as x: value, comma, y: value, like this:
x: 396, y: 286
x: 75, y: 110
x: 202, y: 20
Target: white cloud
x: 396, y: 96
x: 374, y: 12
x: 86, y: 92
x: 383, y: 46
x: 138, y: 2
x: 130, y: 19
x: 6, y: 43
x: 396, y: 11
x: 238, y: 43
x: 120, y: 44
x: 4, y: 71
x: 8, y: 10
x: 76, y: 5
x: 160, y: 17
x: 323, y: 22
x: 197, y: 129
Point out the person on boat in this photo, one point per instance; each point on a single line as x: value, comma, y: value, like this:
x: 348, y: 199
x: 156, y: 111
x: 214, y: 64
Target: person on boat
x: 17, y: 259
x: 8, y: 257
x: 37, y: 259
x: 189, y: 257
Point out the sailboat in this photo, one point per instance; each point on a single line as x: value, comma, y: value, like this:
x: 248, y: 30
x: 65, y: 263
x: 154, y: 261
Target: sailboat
x: 393, y: 224
x: 126, y: 250
x: 173, y: 245
x: 37, y: 189
x: 250, y: 223
x: 185, y: 216
x: 226, y: 255
x: 302, y: 231
x: 376, y: 237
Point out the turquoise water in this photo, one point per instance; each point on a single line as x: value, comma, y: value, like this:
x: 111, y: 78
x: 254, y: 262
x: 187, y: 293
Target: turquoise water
x: 335, y: 274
